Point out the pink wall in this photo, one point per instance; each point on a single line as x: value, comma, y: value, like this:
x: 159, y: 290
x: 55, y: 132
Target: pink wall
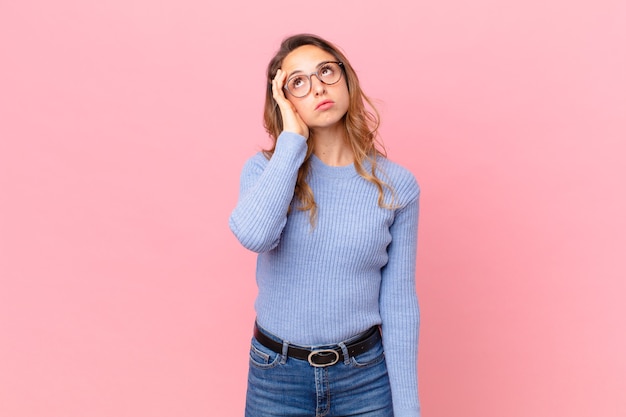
x: 123, y: 127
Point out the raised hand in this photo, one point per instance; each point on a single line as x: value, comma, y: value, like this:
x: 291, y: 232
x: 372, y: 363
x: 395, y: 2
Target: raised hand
x: 292, y: 122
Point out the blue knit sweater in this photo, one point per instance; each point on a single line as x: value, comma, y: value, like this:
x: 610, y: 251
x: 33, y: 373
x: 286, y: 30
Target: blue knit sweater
x: 353, y: 270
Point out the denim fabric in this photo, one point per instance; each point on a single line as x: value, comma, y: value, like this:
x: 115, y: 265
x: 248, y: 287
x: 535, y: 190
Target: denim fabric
x: 279, y: 386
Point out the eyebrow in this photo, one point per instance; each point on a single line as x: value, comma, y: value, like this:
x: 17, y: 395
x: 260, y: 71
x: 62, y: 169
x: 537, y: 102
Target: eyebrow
x: 296, y: 72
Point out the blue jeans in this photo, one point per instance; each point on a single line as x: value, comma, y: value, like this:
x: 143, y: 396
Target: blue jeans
x: 280, y: 386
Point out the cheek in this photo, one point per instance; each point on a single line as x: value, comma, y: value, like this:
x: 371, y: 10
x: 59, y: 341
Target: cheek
x: 345, y: 100
x: 344, y: 94
x: 300, y: 106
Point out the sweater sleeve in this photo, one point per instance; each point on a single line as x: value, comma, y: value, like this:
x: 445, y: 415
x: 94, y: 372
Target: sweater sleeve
x: 266, y: 191
x: 399, y: 309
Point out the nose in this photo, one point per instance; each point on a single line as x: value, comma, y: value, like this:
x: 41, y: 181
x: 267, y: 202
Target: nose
x: 317, y: 86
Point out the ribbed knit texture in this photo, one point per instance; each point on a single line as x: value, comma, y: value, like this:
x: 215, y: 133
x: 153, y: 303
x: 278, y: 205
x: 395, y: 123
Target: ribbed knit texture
x: 353, y: 270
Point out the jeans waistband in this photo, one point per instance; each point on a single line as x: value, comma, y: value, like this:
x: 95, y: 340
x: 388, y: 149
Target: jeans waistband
x: 321, y: 357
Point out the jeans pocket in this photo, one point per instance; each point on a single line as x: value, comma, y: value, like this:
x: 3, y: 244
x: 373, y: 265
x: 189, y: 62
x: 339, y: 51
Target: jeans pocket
x: 372, y: 357
x: 262, y: 357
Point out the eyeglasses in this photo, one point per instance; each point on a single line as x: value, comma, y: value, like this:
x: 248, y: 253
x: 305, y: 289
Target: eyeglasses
x: 328, y: 73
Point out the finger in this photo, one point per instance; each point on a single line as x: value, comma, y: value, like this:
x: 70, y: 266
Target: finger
x: 277, y: 87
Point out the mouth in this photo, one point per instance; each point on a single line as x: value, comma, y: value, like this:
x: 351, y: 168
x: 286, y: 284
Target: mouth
x: 324, y: 105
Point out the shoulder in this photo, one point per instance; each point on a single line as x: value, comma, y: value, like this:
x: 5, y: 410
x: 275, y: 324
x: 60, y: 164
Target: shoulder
x: 399, y: 178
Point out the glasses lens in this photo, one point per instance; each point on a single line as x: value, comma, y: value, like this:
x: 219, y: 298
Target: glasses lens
x: 329, y: 73
x: 299, y: 85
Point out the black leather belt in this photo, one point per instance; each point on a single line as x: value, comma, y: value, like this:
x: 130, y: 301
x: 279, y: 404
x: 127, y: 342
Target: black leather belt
x: 321, y: 357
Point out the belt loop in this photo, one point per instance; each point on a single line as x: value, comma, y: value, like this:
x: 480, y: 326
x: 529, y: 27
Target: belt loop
x: 344, y: 350
x: 283, y: 358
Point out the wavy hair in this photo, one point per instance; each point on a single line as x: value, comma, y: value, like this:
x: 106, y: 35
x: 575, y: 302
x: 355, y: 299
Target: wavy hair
x: 360, y: 122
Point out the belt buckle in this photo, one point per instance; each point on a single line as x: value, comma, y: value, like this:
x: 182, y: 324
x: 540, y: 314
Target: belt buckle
x: 323, y: 352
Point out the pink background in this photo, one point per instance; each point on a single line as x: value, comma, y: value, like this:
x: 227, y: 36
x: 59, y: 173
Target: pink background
x: 124, y: 125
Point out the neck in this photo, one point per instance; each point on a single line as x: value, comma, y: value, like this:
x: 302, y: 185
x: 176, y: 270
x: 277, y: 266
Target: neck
x: 331, y: 146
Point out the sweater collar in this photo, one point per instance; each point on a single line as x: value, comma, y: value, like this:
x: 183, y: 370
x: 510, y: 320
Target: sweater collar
x: 320, y: 168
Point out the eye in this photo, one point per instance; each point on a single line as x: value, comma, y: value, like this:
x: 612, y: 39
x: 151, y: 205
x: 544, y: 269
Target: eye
x: 296, y: 83
x: 327, y: 70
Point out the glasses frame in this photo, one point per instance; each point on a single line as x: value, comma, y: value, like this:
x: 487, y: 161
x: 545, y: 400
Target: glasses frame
x: 316, y: 73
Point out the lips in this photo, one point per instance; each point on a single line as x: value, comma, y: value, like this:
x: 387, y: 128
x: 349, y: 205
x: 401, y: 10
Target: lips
x: 324, y: 105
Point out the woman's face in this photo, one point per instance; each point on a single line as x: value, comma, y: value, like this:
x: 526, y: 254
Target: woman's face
x: 325, y: 105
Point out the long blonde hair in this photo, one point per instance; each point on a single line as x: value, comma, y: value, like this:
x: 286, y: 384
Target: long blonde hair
x: 360, y: 123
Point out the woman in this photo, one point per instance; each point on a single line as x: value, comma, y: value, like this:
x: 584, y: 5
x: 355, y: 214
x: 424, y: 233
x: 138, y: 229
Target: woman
x: 335, y: 226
